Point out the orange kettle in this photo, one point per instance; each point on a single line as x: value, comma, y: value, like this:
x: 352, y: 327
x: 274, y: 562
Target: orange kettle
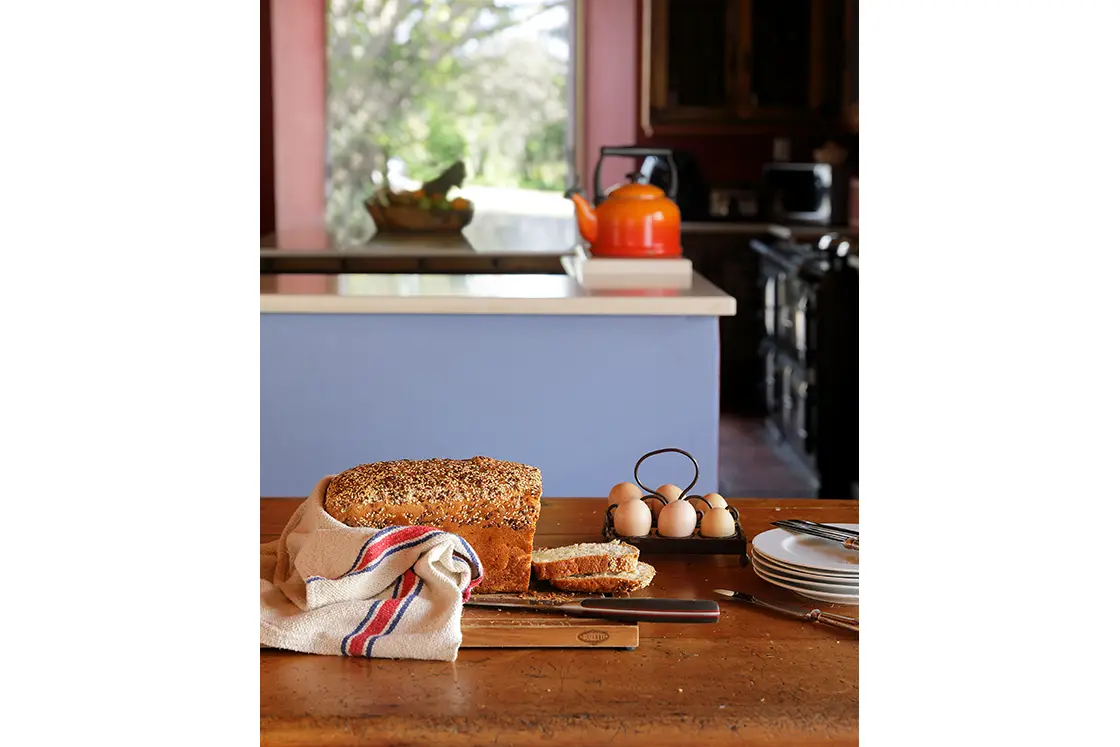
x: 633, y: 219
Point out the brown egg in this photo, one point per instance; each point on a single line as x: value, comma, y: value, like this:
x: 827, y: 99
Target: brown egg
x: 624, y: 491
x: 716, y: 500
x: 678, y: 519
x: 717, y: 523
x: 670, y: 491
x: 632, y: 519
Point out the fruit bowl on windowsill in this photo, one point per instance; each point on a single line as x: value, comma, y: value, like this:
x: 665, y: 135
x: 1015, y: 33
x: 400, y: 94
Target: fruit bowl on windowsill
x: 417, y: 219
x: 424, y: 210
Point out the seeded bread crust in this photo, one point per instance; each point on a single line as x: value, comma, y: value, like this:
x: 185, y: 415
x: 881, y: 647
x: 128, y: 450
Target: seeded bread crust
x: 493, y: 505
x: 608, y: 583
x: 606, y: 560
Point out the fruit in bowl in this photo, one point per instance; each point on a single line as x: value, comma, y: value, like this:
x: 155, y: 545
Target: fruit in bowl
x: 423, y: 210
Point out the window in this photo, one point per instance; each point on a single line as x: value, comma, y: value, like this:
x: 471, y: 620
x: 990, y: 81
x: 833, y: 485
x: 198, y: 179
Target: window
x: 415, y: 85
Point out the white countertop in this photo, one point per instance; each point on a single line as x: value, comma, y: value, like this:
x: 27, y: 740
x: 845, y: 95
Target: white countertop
x: 489, y: 294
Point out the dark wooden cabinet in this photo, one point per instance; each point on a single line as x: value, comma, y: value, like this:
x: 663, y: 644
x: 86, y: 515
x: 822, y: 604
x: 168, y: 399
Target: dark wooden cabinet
x: 743, y: 64
x: 851, y: 65
x: 727, y: 261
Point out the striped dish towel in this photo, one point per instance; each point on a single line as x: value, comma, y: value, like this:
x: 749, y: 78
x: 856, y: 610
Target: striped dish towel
x: 393, y: 593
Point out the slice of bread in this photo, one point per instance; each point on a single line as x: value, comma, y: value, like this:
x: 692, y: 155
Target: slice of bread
x: 585, y: 558
x: 608, y: 582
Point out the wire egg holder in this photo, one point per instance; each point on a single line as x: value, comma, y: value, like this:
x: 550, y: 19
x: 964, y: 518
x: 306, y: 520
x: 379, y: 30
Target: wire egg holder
x: 696, y: 543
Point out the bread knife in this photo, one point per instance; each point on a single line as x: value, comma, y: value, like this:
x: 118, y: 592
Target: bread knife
x: 623, y: 610
x: 815, y: 615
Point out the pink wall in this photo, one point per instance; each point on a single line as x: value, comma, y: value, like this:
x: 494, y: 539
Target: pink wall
x: 610, y: 76
x: 298, y: 73
x: 299, y: 76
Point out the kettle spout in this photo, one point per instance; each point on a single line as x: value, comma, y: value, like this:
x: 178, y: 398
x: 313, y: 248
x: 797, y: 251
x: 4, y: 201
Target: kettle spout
x: 585, y: 218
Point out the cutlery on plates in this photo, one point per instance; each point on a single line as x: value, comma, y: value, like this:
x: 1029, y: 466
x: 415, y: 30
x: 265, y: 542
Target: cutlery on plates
x: 814, y: 615
x: 829, y: 527
x: 623, y: 610
x: 852, y: 543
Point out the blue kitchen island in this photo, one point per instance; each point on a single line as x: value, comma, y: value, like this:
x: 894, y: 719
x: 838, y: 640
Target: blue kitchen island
x: 537, y: 369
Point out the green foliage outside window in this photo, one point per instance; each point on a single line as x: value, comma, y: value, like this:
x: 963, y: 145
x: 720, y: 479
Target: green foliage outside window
x: 430, y: 82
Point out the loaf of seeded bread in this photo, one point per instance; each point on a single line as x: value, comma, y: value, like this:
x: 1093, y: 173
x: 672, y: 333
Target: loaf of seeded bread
x: 613, y: 583
x: 493, y: 505
x: 585, y: 558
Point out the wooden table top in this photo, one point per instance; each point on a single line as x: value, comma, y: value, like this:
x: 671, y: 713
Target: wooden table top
x: 752, y: 678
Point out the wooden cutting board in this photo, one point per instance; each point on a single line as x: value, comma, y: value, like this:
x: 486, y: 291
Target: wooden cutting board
x: 497, y: 628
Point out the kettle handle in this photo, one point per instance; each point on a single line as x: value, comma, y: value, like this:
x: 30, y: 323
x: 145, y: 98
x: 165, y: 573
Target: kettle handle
x: 634, y: 151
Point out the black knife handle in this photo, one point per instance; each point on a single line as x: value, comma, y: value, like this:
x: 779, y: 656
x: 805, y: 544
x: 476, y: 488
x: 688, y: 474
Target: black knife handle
x: 654, y: 610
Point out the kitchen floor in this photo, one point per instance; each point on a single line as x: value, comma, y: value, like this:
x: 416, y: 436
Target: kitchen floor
x: 751, y: 466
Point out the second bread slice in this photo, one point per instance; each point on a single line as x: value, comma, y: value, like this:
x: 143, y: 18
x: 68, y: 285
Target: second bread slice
x: 584, y: 559
x: 609, y: 583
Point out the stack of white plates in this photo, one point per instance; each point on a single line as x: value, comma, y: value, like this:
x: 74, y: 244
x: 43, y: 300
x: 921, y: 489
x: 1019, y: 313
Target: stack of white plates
x: 812, y: 567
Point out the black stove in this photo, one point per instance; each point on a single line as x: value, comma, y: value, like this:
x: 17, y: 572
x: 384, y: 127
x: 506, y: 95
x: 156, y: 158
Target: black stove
x: 810, y: 356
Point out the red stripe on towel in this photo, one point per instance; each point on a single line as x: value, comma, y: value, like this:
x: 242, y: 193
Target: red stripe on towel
x: 385, y: 613
x: 374, y: 552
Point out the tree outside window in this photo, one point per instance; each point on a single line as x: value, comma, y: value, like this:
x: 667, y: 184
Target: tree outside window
x: 415, y: 85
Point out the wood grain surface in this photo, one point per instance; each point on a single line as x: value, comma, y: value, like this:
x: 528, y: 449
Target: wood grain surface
x: 496, y: 628
x: 752, y: 678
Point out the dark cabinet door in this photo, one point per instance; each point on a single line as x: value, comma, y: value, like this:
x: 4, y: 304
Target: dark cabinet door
x: 699, y: 45
x: 746, y: 63
x: 689, y: 53
x: 851, y: 59
x: 779, y: 37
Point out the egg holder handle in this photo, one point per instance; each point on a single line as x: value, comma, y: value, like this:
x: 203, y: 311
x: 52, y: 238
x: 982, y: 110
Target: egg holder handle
x: 696, y: 544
